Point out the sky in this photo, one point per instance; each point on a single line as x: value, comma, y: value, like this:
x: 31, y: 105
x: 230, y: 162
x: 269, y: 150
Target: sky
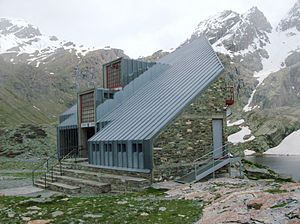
x: 139, y: 27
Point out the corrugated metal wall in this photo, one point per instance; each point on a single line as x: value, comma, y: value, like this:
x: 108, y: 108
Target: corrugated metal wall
x: 121, y: 154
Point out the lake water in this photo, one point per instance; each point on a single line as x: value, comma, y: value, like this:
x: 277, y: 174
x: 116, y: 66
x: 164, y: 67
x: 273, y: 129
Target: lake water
x: 285, y: 165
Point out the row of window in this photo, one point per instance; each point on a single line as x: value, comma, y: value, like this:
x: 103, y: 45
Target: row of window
x: 119, y: 156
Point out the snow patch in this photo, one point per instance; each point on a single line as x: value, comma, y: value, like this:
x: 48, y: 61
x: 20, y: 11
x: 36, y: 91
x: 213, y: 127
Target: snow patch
x: 239, y: 122
x: 248, y: 152
x: 289, y: 146
x: 280, y: 47
x: 248, y: 108
x: 239, y: 136
x: 36, y: 108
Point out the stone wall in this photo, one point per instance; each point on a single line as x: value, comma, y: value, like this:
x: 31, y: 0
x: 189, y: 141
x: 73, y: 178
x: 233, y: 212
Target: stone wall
x: 189, y: 136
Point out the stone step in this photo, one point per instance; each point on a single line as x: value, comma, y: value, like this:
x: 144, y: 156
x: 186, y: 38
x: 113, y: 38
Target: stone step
x: 87, y: 186
x: 77, y: 160
x: 65, y: 188
x: 61, y: 187
x: 118, y: 182
x: 39, y: 185
x: 146, y: 174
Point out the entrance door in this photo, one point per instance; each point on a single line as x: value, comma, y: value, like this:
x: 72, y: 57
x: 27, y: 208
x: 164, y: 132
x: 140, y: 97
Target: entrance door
x: 86, y: 133
x: 217, y: 126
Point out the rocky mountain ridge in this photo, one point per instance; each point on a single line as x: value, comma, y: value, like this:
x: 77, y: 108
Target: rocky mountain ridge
x: 270, y: 56
x: 257, y: 57
x: 40, y: 75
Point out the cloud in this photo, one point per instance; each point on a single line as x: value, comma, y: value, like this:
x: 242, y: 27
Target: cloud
x: 139, y: 27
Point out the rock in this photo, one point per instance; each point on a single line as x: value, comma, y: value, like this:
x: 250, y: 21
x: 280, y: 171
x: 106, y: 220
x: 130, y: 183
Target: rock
x: 144, y: 214
x: 33, y: 208
x: 162, y: 209
x: 93, y: 215
x: 58, y: 196
x: 39, y: 221
x: 34, y: 201
x: 295, y: 214
x: 26, y: 219
x: 255, y: 204
x: 30, y: 213
x: 122, y: 202
x: 258, y: 172
x: 56, y: 214
x: 11, y: 214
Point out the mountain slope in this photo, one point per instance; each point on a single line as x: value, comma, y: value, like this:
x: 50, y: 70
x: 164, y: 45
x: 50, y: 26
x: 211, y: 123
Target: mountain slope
x: 40, y: 75
x: 272, y: 56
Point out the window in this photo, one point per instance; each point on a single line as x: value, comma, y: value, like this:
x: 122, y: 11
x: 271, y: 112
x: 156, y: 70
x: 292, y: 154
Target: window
x: 113, y: 75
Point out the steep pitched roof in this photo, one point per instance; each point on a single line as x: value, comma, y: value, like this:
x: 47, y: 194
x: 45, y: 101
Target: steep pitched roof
x: 191, y: 69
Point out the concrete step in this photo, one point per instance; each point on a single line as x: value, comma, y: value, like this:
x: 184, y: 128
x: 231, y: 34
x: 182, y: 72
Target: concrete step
x: 118, y: 182
x: 77, y: 160
x: 55, y: 186
x: 146, y: 174
x: 40, y: 185
x: 65, y: 188
x: 87, y: 186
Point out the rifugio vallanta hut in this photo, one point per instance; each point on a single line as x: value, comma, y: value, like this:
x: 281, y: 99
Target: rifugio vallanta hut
x: 150, y: 121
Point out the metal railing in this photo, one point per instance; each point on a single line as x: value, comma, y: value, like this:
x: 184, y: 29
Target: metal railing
x: 42, y: 168
x: 210, y: 159
x: 74, y: 153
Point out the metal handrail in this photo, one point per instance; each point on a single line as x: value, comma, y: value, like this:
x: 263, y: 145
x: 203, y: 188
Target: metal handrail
x: 41, y: 166
x: 74, y: 151
x: 211, y: 152
x: 225, y: 154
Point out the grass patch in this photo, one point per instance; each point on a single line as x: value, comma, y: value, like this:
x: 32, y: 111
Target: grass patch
x: 123, y: 208
x: 24, y: 175
x: 276, y: 191
x: 269, y: 175
x: 280, y: 205
x: 13, y: 164
x: 153, y: 191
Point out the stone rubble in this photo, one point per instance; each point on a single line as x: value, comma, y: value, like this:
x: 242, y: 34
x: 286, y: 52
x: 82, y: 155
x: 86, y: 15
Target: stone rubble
x: 228, y: 200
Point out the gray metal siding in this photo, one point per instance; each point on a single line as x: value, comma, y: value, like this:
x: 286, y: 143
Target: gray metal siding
x: 191, y: 69
x: 217, y: 127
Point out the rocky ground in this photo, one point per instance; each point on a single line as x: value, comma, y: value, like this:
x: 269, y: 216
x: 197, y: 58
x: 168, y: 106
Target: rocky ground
x: 262, y: 196
x: 149, y: 206
x: 228, y: 200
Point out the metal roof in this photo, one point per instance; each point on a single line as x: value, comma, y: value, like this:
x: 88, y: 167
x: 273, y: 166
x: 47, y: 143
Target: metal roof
x: 70, y: 118
x: 146, y: 111
x: 71, y: 110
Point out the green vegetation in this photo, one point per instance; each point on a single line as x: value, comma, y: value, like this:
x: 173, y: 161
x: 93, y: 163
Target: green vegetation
x: 17, y: 164
x: 233, y: 129
x: 262, y: 172
x: 27, y: 139
x: 280, y: 205
x: 276, y: 191
x: 127, y: 208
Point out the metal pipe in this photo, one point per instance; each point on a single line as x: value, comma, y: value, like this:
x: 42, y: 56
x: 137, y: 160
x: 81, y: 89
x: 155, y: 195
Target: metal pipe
x: 60, y: 169
x: 32, y: 177
x: 52, y: 174
x: 45, y: 181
